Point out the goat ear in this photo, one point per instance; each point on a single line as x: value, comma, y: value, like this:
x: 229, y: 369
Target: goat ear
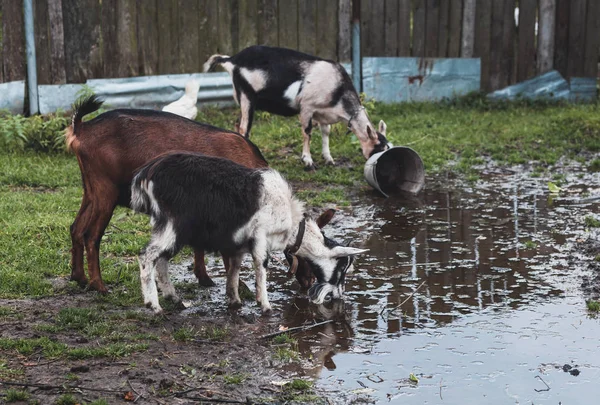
x: 371, y: 133
x: 341, y: 251
x: 382, y: 127
x: 325, y: 217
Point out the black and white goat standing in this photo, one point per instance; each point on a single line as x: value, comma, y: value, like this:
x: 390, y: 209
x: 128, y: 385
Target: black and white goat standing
x: 287, y: 82
x: 217, y: 205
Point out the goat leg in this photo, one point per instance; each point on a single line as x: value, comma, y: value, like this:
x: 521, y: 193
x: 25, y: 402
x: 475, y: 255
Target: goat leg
x: 233, y: 279
x: 78, y: 229
x: 306, y: 122
x: 200, y: 269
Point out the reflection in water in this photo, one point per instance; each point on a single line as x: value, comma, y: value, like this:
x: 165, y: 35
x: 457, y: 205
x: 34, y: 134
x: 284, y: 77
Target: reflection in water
x: 488, y: 251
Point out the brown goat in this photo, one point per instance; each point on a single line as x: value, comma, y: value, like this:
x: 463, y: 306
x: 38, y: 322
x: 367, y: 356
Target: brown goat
x: 111, y: 147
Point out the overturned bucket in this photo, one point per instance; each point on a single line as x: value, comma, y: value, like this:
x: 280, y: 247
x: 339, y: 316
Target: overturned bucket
x: 395, y: 171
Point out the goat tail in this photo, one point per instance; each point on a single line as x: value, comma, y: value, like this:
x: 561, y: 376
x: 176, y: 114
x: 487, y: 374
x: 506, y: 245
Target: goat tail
x: 214, y: 61
x: 140, y: 198
x: 81, y: 108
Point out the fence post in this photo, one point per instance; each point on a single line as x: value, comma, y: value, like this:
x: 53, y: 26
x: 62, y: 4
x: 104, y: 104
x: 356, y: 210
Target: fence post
x: 356, y: 77
x: 545, y: 49
x: 31, y: 62
x: 468, y: 29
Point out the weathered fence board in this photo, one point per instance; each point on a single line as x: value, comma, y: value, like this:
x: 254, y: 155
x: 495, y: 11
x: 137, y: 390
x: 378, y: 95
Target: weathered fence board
x: 344, y: 30
x: 189, y: 36
x: 327, y: 29
x: 267, y: 23
x: 561, y: 36
x: 454, y: 28
x: 526, y: 44
x: 288, y: 23
x: 444, y: 21
x: 248, y: 23
x: 418, y: 45
x: 85, y: 39
x: 83, y: 56
x: 390, y: 28
x: 432, y: 26
x: 13, y: 38
x: 404, y: 11
x: 482, y: 48
x: 576, y: 38
x: 148, y: 37
x: 307, y: 14
x: 592, y: 39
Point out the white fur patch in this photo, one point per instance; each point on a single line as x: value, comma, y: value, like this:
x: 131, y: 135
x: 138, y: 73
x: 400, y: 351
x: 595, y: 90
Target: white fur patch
x: 165, y: 239
x: 256, y: 78
x: 154, y: 208
x: 291, y: 93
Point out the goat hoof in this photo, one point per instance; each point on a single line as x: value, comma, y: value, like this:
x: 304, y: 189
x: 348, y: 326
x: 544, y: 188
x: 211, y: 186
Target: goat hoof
x: 310, y: 168
x: 206, y: 282
x: 99, y: 286
x: 330, y: 162
x: 235, y: 305
x: 267, y: 311
x: 81, y: 282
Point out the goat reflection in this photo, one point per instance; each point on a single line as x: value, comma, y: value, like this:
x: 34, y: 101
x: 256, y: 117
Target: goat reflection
x: 323, y: 342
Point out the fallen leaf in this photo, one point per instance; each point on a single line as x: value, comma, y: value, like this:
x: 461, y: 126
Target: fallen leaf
x: 129, y: 396
x: 554, y: 189
x: 413, y: 378
x: 282, y: 328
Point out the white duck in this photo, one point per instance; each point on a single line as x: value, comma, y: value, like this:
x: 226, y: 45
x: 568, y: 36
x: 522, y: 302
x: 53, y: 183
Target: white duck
x: 186, y: 105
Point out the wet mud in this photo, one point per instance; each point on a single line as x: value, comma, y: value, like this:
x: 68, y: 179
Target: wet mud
x: 470, y: 293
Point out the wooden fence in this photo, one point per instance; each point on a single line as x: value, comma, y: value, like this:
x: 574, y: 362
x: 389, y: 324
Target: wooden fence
x: 81, y: 39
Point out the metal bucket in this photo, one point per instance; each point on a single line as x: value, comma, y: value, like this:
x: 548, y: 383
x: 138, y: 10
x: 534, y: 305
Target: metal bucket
x: 395, y: 171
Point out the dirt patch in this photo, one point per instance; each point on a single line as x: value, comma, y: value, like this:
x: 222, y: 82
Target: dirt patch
x: 74, y: 344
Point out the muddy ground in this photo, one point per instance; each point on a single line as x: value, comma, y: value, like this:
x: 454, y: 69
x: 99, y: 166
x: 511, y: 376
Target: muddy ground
x: 204, y: 353
x: 233, y: 364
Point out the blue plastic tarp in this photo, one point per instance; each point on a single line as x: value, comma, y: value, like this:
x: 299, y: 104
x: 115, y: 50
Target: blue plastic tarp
x: 393, y: 80
x: 550, y: 85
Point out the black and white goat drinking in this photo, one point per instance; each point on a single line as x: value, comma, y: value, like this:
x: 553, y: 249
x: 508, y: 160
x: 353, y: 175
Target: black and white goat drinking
x: 217, y: 205
x: 287, y: 82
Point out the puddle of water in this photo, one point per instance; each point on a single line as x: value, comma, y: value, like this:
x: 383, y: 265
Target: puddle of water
x: 500, y: 300
x: 490, y: 292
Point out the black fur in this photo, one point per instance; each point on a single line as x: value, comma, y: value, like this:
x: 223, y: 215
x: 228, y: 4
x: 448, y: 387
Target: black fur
x: 382, y: 145
x: 85, y: 106
x: 283, y: 67
x: 197, y: 193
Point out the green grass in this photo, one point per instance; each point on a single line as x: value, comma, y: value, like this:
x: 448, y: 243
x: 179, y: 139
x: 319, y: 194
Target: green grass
x: 593, y: 306
x: 66, y: 399
x: 286, y: 354
x: 592, y: 222
x: 13, y: 395
x: 40, y: 193
x: 235, y: 379
x: 284, y: 338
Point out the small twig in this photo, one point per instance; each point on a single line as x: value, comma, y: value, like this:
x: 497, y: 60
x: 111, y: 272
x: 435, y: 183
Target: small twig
x: 295, y: 329
x: 134, y: 390
x: 40, y: 364
x: 180, y: 394
x: 60, y: 387
x: 219, y: 400
x: 407, y: 298
x: 544, y: 389
x: 441, y: 389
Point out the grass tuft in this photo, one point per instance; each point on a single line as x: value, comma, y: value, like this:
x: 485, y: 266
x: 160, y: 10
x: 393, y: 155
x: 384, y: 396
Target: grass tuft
x: 592, y: 222
x: 593, y: 306
x: 13, y: 395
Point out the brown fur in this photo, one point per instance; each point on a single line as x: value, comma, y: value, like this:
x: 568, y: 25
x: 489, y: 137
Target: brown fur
x: 109, y: 150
